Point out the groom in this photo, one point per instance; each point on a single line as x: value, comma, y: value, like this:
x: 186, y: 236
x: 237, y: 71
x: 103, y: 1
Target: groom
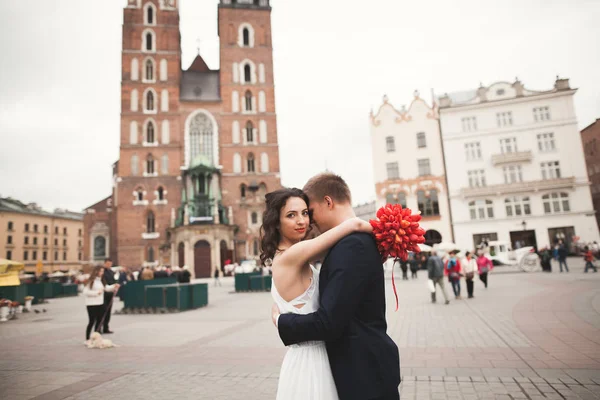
x: 351, y: 317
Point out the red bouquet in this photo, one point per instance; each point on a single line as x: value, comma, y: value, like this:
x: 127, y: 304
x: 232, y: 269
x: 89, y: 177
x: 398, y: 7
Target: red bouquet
x: 397, y: 232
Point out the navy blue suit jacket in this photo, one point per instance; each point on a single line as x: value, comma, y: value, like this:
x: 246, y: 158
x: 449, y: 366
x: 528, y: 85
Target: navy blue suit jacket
x: 351, y: 320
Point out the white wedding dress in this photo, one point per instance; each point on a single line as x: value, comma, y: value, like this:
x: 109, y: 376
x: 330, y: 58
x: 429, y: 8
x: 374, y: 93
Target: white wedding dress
x: 305, y: 372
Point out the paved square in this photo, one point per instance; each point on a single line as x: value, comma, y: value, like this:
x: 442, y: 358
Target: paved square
x: 529, y: 336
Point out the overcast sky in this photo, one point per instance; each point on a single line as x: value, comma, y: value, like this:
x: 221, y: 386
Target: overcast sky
x: 60, y: 72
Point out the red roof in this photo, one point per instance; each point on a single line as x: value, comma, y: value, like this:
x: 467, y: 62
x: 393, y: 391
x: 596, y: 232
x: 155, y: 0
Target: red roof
x: 199, y: 65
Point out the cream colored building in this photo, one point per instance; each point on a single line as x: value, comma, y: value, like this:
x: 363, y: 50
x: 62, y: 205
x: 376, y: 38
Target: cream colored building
x: 31, y: 235
x: 408, y: 164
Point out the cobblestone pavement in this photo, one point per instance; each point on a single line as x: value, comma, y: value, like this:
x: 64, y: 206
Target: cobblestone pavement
x: 529, y: 336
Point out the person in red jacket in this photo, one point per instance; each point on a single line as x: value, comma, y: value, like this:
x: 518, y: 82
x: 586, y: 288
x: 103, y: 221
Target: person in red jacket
x: 485, y: 266
x: 453, y: 272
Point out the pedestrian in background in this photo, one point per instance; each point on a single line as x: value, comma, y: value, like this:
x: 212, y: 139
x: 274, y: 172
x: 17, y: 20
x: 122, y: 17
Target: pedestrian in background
x: 435, y: 271
x: 470, y: 267
x: 589, y: 260
x: 414, y: 265
x: 453, y: 271
x: 109, y: 279
x: 94, y: 291
x: 217, y: 280
x: 404, y: 268
x: 484, y: 265
x: 563, y: 252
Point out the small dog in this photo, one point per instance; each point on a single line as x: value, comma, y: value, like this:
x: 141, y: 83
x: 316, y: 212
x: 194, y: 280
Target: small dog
x: 96, y: 342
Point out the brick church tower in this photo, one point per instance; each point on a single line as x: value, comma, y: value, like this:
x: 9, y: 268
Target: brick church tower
x: 198, y: 148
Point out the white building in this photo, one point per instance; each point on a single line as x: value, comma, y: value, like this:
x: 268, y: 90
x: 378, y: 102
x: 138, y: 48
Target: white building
x: 515, y: 166
x: 408, y: 164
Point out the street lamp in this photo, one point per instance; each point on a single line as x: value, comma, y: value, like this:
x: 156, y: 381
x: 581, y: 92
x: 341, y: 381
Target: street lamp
x: 524, y: 225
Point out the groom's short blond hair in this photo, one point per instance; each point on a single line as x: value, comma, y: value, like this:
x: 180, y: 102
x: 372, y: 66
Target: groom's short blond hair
x: 328, y: 184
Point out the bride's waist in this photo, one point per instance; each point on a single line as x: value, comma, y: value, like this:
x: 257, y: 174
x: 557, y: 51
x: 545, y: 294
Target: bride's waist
x: 306, y: 344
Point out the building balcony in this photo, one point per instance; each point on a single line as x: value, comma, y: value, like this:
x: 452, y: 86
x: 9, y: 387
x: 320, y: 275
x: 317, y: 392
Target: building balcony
x: 512, y: 158
x: 519, y: 187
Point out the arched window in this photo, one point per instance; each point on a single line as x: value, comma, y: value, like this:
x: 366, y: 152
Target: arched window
x: 164, y: 100
x: 235, y: 101
x: 237, y: 163
x: 150, y: 132
x: 150, y: 222
x: 139, y: 194
x: 254, y: 218
x: 481, y: 209
x: 149, y: 100
x: 149, y: 77
x: 165, y: 164
x: 150, y: 164
x: 246, y: 37
x: 201, y: 140
x: 150, y: 15
x: 134, y: 165
x: 248, y: 101
x: 150, y: 254
x: 135, y: 69
x: 235, y: 132
x: 262, y: 128
x: 133, y: 132
x: 243, y: 191
x: 161, y: 193
x: 148, y: 41
x: 166, y: 132
x: 247, y: 73
x: 262, y: 101
x: 251, y: 162
x: 264, y: 163
x: 249, y: 132
x: 164, y: 73
x: 261, y: 73
x: 556, y: 203
x: 134, y: 100
x: 517, y: 206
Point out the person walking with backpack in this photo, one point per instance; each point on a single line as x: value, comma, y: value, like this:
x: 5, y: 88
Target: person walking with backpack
x: 484, y: 265
x: 453, y: 271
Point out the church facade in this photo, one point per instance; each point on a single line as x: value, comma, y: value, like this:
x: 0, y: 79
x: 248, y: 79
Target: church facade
x: 198, y: 147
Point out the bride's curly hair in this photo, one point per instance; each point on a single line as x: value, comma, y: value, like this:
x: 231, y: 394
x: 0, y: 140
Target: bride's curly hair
x: 269, y: 231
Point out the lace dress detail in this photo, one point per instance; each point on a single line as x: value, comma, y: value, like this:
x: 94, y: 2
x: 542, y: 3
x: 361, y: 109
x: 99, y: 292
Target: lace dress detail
x: 305, y: 372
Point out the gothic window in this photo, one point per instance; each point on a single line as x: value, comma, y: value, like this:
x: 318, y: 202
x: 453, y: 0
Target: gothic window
x: 148, y: 43
x: 150, y: 132
x: 161, y: 193
x: 139, y: 194
x: 149, y: 70
x: 99, y: 248
x: 201, y: 140
x: 243, y: 191
x: 248, y: 100
x: 150, y: 222
x: 150, y: 15
x: 247, y: 73
x: 150, y: 106
x: 249, y: 132
x: 150, y: 254
x: 246, y: 34
x: 251, y: 162
x: 150, y: 164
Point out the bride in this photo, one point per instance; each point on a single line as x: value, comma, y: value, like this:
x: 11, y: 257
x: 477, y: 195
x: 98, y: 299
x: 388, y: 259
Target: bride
x: 305, y: 372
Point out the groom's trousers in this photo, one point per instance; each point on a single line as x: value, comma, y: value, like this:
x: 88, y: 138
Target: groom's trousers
x: 390, y: 396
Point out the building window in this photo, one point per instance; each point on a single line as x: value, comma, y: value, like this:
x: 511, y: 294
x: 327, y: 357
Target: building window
x: 249, y: 132
x: 517, y: 206
x: 504, y: 119
x: 421, y: 140
x: 247, y: 73
x: 79, y: 232
x: 64, y: 256
x: 165, y: 164
x: 134, y: 165
x: 79, y: 256
x: 243, y: 191
x: 9, y: 239
x: 255, y: 246
x: 64, y: 242
x: 149, y: 14
x: 8, y: 254
x: 246, y: 37
x: 161, y: 193
x: 26, y: 240
x: 508, y: 145
x: 512, y: 174
x: 476, y: 178
x: 150, y: 222
x: 473, y: 151
x: 34, y: 255
x: 45, y: 256
x: 254, y: 218
x: 424, y: 168
x: 428, y: 205
x: 45, y: 228
x: 150, y: 164
x: 237, y: 163
x: 10, y: 226
x: 390, y: 199
x: 27, y: 228
x: 149, y: 71
x: 481, y: 209
x: 56, y: 230
x: 550, y: 170
x: 55, y: 242
x: 390, y: 144
x: 251, y: 162
x: 45, y: 241
x: 35, y: 241
x: 201, y: 140
x: 469, y: 124
x: 25, y: 255
x: 248, y: 101
x: 392, y: 170
x: 35, y: 228
x: 150, y: 106
x: 546, y: 142
x: 541, y: 114
x: 149, y: 41
x: 399, y: 198
x: 64, y: 231
x: 556, y: 203
x: 56, y: 256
